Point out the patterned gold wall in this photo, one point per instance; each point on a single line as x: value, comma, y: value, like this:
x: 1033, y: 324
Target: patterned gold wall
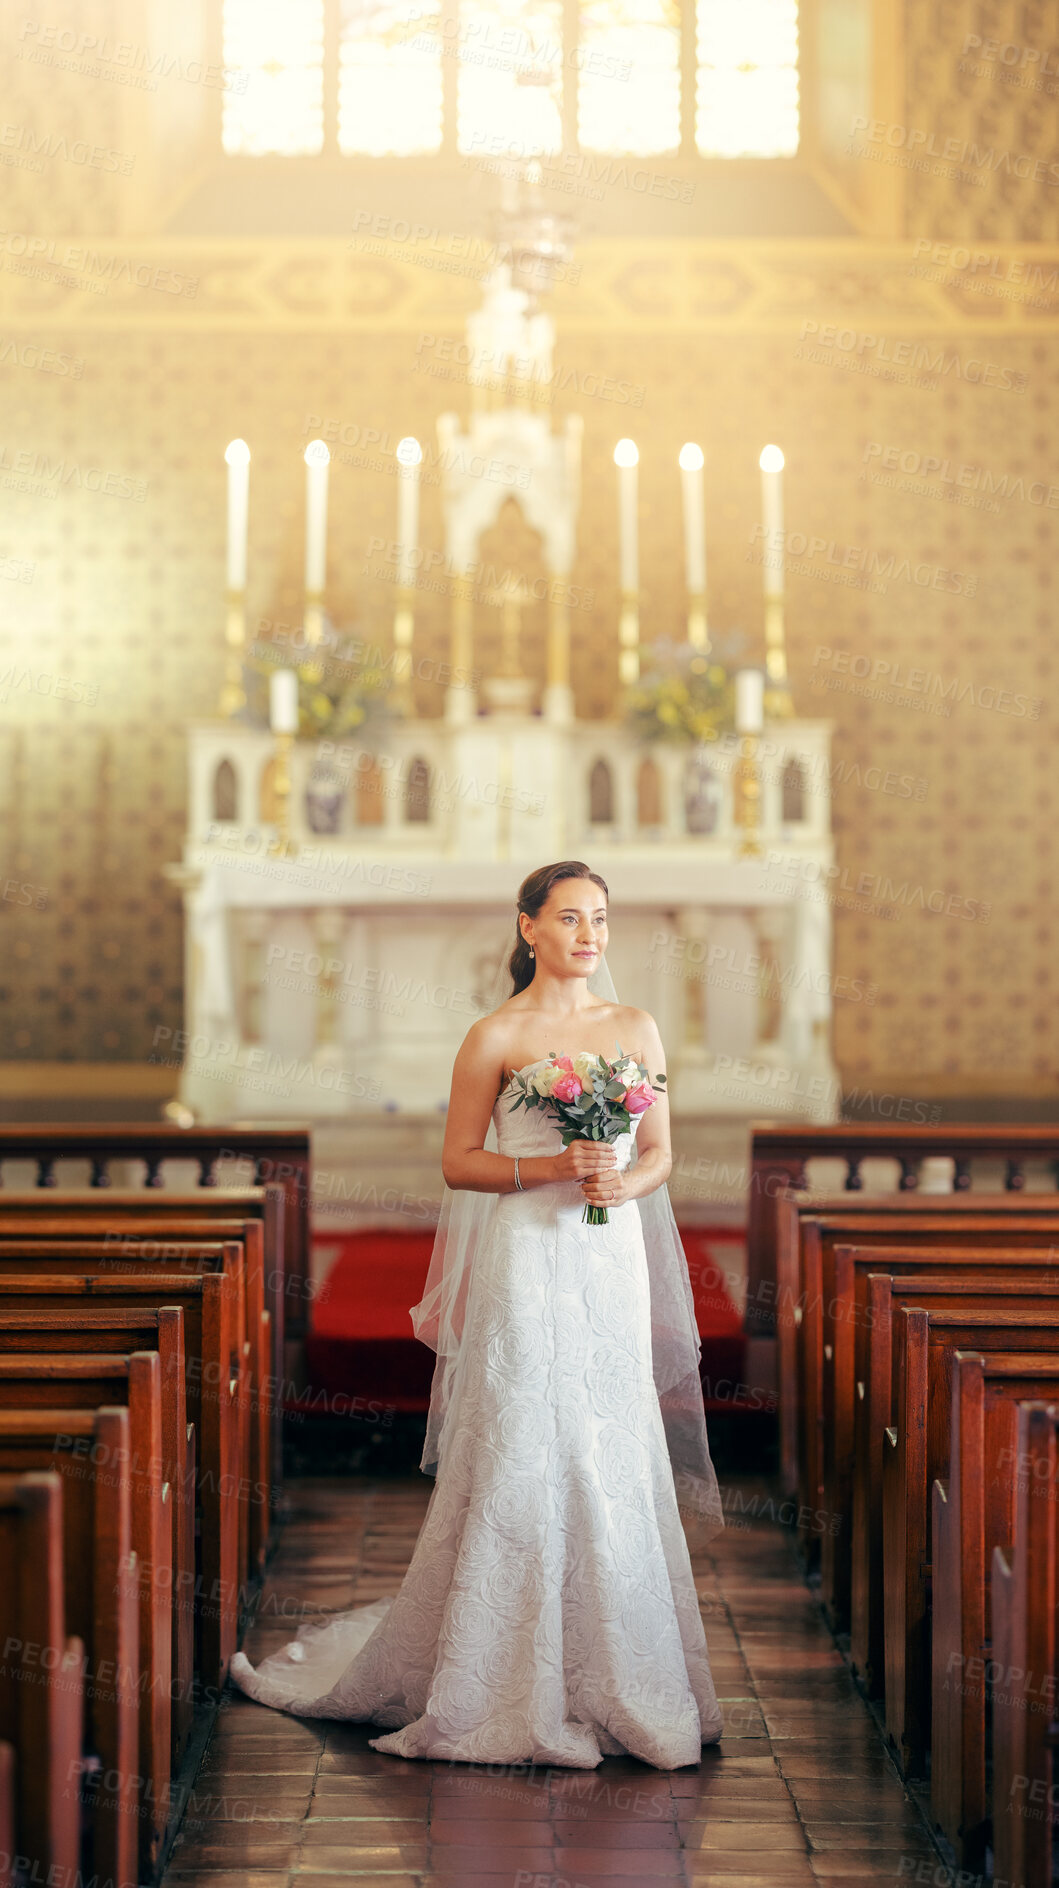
x: 117, y: 407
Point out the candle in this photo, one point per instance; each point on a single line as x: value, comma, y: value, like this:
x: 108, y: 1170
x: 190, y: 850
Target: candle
x: 283, y: 701
x: 691, y: 464
x: 237, y: 459
x: 771, y: 463
x: 749, y: 701
x: 626, y: 458
x: 410, y: 456
x: 317, y: 460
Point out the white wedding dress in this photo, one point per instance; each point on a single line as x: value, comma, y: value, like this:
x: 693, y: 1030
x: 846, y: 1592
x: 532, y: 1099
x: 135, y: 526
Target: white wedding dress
x: 549, y: 1613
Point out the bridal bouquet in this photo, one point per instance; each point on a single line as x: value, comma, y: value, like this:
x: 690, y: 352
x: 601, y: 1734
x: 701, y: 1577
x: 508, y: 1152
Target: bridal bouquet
x: 590, y: 1099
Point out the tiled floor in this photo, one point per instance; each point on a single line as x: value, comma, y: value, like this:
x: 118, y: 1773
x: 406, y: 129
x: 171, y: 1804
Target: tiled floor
x: 799, y: 1792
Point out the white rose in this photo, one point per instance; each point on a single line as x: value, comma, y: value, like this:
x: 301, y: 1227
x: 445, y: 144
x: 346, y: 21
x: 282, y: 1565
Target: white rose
x: 585, y: 1064
x: 628, y: 1073
x: 544, y: 1081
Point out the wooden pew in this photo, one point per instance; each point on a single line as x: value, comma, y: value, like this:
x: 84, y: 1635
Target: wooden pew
x: 41, y: 1694
x: 972, y: 1513
x: 915, y: 1453
x: 101, y: 1588
x: 144, y: 1255
x: 1025, y: 1587
x: 809, y: 1229
x: 872, y: 1278
x: 132, y: 1220
x: 780, y: 1153
x: 96, y: 1329
x: 210, y: 1389
x: 269, y: 1157
x: 90, y: 1381
x: 7, y: 1815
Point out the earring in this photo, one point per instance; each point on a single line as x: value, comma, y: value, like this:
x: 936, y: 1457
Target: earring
x: 531, y: 950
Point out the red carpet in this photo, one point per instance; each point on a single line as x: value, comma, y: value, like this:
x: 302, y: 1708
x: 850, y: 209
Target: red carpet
x: 362, y: 1344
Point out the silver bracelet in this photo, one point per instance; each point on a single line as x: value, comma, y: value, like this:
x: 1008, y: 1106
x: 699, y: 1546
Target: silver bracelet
x: 519, y: 1188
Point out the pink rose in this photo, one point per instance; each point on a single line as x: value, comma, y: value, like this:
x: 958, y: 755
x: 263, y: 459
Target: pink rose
x: 639, y: 1097
x: 568, y: 1087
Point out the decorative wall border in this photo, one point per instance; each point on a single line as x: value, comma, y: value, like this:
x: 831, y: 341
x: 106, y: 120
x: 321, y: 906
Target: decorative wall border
x: 398, y: 280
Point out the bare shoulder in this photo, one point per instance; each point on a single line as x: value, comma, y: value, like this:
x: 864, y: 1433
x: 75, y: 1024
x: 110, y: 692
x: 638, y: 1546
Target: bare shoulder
x: 485, y: 1039
x: 639, y: 1032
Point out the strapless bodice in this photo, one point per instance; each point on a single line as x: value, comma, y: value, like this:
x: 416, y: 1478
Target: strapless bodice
x: 533, y: 1130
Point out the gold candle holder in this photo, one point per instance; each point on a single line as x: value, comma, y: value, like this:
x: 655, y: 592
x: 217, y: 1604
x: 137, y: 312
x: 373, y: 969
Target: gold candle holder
x: 401, y: 697
x: 748, y: 797
x: 698, y: 629
x: 779, y: 705
x: 282, y: 846
x: 313, y: 616
x: 233, y: 694
x: 629, y: 639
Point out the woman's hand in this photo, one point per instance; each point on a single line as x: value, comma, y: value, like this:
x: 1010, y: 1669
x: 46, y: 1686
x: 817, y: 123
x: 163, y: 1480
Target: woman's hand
x: 607, y: 1188
x: 584, y: 1158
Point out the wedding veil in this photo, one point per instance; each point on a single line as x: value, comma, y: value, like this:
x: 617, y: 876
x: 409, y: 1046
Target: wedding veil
x: 466, y: 1222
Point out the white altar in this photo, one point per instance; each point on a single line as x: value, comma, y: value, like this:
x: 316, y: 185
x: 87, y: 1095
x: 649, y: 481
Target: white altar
x: 341, y: 980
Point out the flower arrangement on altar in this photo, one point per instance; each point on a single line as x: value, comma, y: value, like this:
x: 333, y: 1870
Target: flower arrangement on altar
x: 685, y: 697
x: 590, y: 1099
x: 342, y: 682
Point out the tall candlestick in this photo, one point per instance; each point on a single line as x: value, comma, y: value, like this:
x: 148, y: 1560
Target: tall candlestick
x: 237, y: 459
x: 627, y: 459
x: 691, y: 464
x: 691, y: 479
x: 317, y: 460
x: 283, y: 701
x: 778, y: 696
x: 771, y: 463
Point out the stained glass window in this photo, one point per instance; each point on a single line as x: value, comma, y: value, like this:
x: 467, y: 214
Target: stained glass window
x: 747, y: 103
x: 389, y: 77
x: 278, y: 47
x: 510, y: 84
x: 628, y: 65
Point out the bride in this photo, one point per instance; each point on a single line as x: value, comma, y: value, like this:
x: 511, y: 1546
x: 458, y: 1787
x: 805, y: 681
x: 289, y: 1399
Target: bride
x: 549, y: 1612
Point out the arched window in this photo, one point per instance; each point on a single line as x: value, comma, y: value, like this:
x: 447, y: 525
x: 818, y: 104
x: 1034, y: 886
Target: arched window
x: 600, y: 795
x: 225, y: 792
x: 417, y: 790
x: 648, y: 793
x: 367, y: 801
x: 793, y: 790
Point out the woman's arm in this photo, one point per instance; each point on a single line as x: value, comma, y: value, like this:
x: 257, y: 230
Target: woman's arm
x: 465, y: 1162
x: 654, y: 1154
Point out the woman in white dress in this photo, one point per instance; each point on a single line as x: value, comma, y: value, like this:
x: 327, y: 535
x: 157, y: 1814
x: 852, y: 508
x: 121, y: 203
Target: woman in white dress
x: 549, y: 1613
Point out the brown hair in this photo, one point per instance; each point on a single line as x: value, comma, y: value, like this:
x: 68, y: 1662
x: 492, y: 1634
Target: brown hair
x: 533, y: 894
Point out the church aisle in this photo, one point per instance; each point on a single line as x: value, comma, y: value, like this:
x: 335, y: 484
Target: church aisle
x: 800, y: 1792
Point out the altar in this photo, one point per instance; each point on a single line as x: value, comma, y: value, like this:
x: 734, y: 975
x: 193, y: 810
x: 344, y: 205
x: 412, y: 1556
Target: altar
x: 350, y: 899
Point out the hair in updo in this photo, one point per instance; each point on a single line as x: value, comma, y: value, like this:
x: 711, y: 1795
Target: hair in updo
x: 533, y: 895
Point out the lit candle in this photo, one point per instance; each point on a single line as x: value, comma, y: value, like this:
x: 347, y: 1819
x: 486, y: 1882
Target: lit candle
x: 749, y: 701
x: 691, y: 464
x: 626, y: 458
x: 283, y: 701
x: 317, y: 460
x: 237, y: 459
x: 771, y: 463
x: 410, y: 457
